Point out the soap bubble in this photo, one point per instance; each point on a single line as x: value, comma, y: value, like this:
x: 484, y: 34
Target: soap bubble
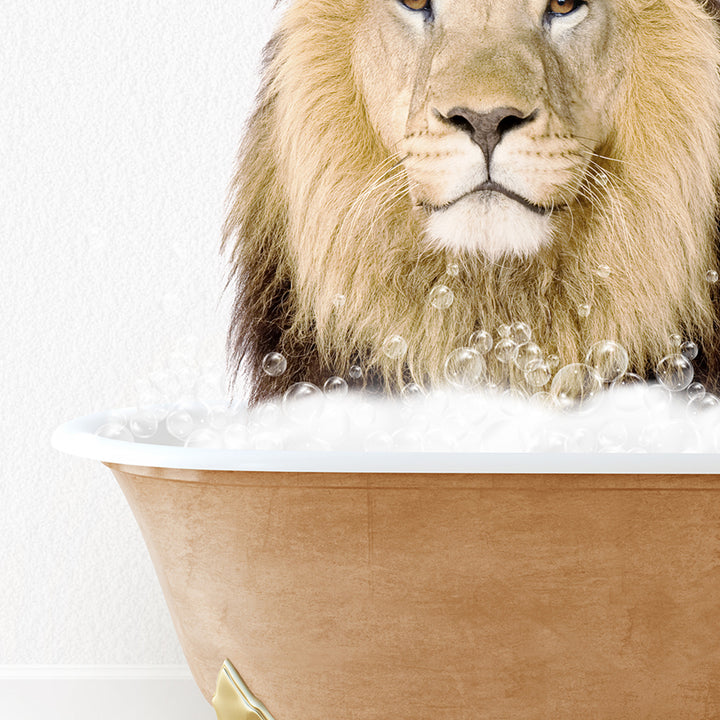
x: 268, y: 441
x: 520, y: 333
x: 412, y: 392
x: 152, y: 402
x: 506, y: 350
x: 657, y: 398
x: 672, y: 437
x: 537, y: 374
x: 581, y: 440
x: 702, y: 404
x: 514, y: 395
x: 541, y: 399
x: 574, y: 385
x: 583, y: 310
x: 166, y: 383
x: 185, y: 416
x: 363, y: 415
x: 333, y: 422
x: 612, y: 435
x: 274, y: 364
x: 609, y: 360
x: 695, y: 390
x: 627, y: 391
x: 440, y: 440
x: 335, y: 387
x: 689, y: 350
x: 628, y: 380
x: 302, y: 402
x: 407, y: 440
x: 603, y: 271
x: 482, y: 341
x: 464, y: 367
x: 711, y: 276
x: 601, y: 178
x: 553, y: 362
x: 355, y: 372
x: 441, y: 297
x: 236, y: 436
x: 180, y: 424
x: 453, y: 269
x: 204, y: 438
x: 187, y: 376
x: 527, y: 353
x: 143, y: 424
x: 675, y: 340
x: 675, y: 372
x: 210, y: 388
x: 339, y: 300
x: 394, y: 347
x: 268, y: 415
x: 220, y: 416
x: 504, y: 331
x: 314, y: 444
x: 378, y: 441
x: 115, y: 431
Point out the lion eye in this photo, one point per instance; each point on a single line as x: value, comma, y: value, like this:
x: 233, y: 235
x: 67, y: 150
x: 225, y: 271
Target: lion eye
x: 416, y: 4
x: 563, y: 7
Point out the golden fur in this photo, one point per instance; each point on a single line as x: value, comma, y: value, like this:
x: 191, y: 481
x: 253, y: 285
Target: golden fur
x: 326, y: 200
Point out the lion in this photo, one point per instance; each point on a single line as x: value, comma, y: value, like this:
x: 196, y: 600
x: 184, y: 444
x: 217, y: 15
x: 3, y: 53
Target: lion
x: 556, y: 164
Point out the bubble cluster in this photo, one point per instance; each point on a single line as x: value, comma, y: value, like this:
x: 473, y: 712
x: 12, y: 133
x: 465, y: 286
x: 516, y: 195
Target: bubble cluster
x: 481, y: 405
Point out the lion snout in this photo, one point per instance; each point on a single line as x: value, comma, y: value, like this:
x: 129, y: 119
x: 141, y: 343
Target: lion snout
x: 486, y: 129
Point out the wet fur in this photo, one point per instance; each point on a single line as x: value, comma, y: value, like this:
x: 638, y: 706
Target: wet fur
x: 319, y: 207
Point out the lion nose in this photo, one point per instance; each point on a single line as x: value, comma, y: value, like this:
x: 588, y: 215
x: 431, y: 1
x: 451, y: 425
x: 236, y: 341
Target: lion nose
x: 487, y: 129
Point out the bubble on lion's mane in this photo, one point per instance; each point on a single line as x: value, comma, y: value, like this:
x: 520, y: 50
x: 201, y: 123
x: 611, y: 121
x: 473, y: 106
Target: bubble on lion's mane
x: 320, y: 207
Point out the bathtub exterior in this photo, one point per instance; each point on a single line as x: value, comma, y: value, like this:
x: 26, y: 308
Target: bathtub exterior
x: 361, y: 596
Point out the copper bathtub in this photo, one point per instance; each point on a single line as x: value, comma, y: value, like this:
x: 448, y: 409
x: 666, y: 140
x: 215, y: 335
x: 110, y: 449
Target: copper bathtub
x: 341, y: 586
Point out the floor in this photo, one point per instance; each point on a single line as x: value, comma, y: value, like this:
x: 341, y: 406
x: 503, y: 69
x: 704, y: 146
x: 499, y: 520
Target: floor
x: 103, y: 699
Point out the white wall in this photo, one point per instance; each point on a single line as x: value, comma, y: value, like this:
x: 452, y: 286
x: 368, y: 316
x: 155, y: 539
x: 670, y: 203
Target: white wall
x: 119, y: 125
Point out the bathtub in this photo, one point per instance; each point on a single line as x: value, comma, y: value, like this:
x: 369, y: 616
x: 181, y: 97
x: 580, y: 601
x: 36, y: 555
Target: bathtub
x: 418, y: 586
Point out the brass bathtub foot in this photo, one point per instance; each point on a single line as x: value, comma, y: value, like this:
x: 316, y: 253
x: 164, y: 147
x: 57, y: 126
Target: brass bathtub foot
x: 233, y: 699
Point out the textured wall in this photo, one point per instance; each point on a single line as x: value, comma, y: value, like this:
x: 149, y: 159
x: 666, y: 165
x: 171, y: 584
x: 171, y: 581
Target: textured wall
x: 119, y: 124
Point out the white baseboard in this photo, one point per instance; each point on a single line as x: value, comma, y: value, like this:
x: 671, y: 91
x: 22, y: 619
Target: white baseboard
x: 101, y: 692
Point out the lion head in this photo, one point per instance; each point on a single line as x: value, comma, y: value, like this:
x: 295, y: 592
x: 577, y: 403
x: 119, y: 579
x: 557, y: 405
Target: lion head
x: 555, y: 163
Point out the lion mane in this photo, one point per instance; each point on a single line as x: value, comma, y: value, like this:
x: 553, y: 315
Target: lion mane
x: 331, y: 253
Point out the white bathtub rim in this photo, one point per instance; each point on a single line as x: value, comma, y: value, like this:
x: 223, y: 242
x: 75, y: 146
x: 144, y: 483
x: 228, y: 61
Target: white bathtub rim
x: 77, y: 437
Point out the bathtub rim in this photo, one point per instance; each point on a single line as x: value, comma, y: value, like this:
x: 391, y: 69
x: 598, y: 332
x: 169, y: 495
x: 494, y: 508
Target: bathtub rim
x: 77, y: 437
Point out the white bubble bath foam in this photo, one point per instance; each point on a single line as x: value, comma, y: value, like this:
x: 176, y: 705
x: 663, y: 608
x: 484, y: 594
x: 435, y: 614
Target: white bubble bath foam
x: 591, y: 407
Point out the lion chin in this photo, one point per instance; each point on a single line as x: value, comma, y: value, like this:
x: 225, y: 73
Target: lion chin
x: 490, y: 224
